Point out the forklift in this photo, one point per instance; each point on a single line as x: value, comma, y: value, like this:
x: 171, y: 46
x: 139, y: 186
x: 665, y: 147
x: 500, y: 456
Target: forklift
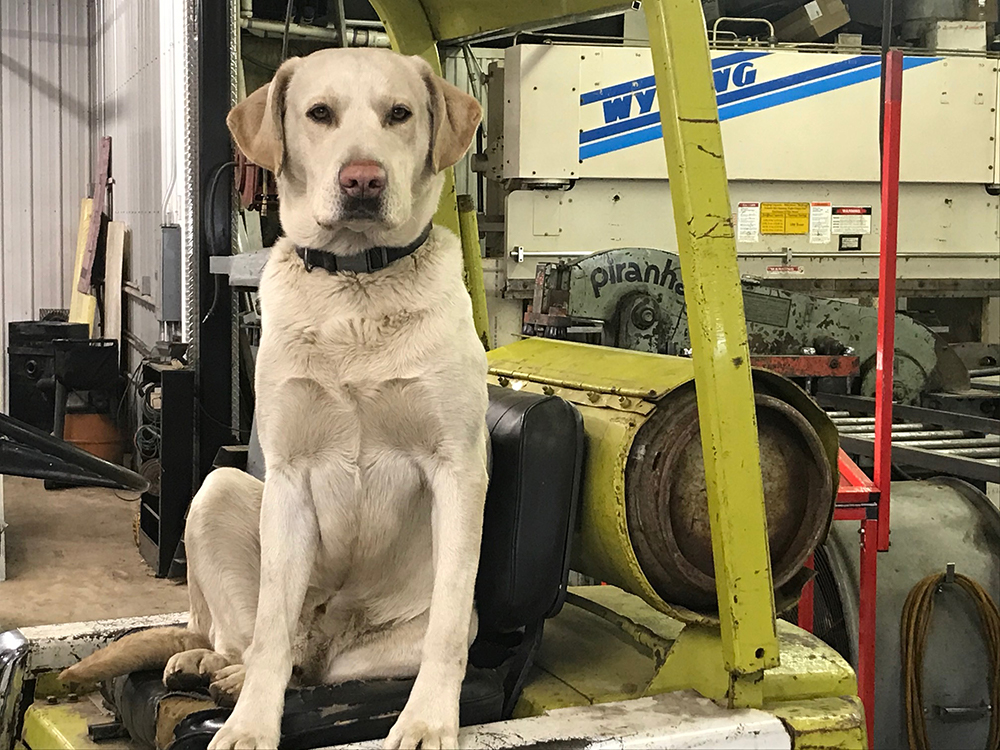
x: 676, y: 640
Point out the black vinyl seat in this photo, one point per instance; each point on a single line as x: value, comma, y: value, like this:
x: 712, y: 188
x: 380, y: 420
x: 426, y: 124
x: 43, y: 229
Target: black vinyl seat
x: 537, y: 446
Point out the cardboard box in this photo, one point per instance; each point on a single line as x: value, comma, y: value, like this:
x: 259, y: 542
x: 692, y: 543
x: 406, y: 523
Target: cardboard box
x: 812, y: 21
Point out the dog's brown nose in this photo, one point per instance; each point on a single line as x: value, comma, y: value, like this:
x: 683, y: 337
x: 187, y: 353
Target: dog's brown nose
x: 362, y: 179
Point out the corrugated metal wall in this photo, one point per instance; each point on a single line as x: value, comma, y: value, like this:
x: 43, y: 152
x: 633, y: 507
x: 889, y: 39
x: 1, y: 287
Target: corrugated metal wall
x: 128, y: 107
x: 46, y: 140
x: 46, y: 136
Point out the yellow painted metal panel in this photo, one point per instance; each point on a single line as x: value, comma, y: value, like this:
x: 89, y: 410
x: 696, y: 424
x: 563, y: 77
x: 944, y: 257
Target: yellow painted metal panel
x: 598, y: 369
x: 634, y: 650
x: 56, y: 728
x: 836, y: 723
x: 473, y: 261
x: 693, y: 144
x: 457, y: 19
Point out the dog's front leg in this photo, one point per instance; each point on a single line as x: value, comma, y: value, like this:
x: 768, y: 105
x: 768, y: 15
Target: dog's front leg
x: 289, y: 537
x: 430, y: 717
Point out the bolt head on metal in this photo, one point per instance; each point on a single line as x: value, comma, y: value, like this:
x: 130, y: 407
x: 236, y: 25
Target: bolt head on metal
x: 51, y: 700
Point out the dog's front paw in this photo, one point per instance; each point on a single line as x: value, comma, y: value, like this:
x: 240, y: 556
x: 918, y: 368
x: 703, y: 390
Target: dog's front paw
x: 239, y: 735
x: 227, y: 684
x: 426, y: 722
x: 190, y: 670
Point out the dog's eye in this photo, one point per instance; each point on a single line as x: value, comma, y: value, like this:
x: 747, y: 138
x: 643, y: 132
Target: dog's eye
x: 320, y: 113
x: 399, y: 113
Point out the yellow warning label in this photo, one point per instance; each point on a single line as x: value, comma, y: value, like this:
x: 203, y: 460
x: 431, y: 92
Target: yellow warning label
x: 784, y: 218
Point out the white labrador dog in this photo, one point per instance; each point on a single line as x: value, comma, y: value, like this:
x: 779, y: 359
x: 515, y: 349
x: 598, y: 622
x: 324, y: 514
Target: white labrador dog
x: 357, y: 556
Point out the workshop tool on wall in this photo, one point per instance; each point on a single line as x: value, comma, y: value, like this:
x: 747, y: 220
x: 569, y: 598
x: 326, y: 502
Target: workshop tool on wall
x: 256, y: 186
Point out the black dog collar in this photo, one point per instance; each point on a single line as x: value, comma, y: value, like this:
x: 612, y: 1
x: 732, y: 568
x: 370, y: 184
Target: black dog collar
x: 372, y: 259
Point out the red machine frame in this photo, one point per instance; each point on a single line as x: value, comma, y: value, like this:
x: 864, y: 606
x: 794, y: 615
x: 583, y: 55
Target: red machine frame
x: 860, y: 498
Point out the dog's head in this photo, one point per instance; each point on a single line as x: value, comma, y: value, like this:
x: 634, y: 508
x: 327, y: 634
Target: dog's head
x: 358, y: 139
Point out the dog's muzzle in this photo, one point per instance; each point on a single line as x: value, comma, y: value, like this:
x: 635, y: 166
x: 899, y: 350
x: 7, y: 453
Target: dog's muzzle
x: 361, y: 209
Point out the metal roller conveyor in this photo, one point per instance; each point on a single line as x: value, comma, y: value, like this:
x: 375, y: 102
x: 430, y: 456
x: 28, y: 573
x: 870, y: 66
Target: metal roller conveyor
x: 941, y: 442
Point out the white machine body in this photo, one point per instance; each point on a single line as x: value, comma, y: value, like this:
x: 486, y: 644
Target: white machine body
x: 581, y: 137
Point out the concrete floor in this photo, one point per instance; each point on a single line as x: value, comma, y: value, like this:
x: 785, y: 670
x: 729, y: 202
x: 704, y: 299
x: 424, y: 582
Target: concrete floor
x: 71, y: 557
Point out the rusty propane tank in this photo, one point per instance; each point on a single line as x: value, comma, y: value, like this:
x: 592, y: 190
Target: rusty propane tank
x: 643, y: 522
x: 667, y: 503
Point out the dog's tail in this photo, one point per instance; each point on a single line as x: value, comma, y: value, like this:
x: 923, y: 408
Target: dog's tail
x: 147, y: 649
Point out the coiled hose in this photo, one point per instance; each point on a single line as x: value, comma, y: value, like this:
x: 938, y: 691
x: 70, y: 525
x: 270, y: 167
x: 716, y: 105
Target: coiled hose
x: 916, y: 618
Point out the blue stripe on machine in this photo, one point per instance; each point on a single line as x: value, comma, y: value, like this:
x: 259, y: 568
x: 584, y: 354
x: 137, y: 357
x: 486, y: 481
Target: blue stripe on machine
x: 648, y: 82
x: 812, y: 89
x: 649, y: 129
x: 796, y: 78
x: 622, y: 126
x: 632, y: 138
x: 634, y: 123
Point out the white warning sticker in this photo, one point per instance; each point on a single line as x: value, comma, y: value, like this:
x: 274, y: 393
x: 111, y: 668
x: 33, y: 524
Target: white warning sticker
x: 813, y: 10
x: 748, y: 222
x: 820, y: 220
x: 852, y: 220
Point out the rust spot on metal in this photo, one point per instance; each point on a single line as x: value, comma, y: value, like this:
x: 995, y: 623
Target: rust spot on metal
x: 737, y: 361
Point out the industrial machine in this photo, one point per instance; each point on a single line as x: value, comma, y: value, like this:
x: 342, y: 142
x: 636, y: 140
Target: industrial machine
x: 573, y: 161
x: 633, y: 298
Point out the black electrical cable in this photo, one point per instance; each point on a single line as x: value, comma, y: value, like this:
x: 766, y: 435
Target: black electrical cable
x: 284, y: 37
x: 208, y: 211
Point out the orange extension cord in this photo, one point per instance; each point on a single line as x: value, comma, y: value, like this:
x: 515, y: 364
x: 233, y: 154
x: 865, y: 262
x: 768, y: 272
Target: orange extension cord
x: 916, y: 619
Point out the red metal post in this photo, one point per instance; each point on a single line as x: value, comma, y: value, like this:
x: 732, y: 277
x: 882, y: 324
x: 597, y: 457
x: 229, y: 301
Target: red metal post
x: 887, y: 288
x: 806, y: 601
x: 866, y: 625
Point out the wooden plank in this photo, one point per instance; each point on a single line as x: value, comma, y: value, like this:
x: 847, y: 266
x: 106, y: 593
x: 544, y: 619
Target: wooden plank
x: 94, y: 228
x: 119, y: 238
x: 82, y: 306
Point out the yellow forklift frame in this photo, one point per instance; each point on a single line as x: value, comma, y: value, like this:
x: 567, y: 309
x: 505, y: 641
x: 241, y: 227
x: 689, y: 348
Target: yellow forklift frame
x: 696, y: 168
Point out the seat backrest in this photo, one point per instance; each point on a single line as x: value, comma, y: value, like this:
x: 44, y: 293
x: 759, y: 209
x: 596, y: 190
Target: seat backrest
x: 537, y: 443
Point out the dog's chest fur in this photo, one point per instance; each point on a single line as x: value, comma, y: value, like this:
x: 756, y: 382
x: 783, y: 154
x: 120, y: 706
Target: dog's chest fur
x: 355, y: 378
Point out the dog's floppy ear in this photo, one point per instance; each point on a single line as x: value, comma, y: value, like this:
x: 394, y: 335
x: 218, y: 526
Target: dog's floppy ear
x: 257, y: 123
x: 454, y: 118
